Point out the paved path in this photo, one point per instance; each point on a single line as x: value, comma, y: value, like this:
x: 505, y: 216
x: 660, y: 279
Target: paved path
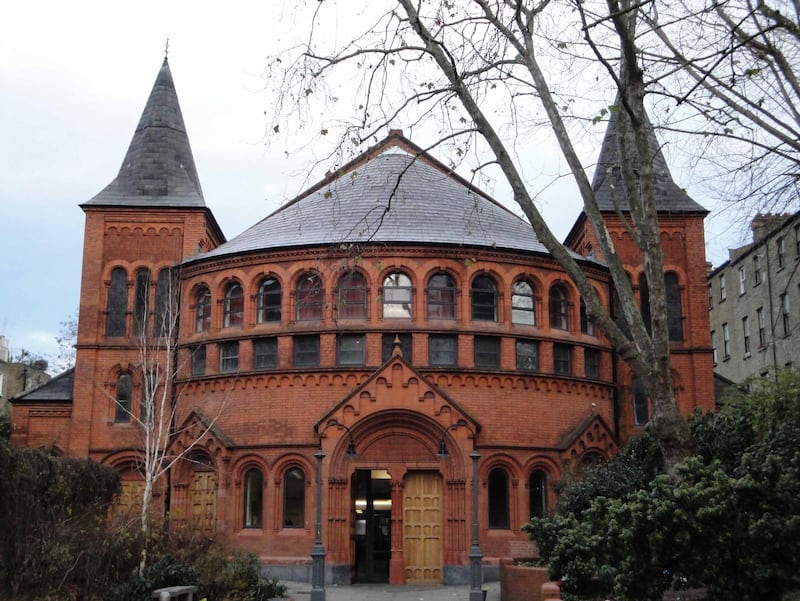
x: 301, y: 591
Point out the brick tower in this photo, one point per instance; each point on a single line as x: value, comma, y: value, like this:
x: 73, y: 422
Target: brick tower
x: 682, y: 238
x: 149, y: 218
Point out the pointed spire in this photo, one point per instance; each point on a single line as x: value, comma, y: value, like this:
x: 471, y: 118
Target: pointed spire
x: 670, y: 198
x: 158, y: 170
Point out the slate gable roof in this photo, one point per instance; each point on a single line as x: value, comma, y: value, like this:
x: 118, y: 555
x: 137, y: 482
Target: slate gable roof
x: 670, y: 198
x: 392, y: 195
x: 159, y: 169
x: 56, y: 390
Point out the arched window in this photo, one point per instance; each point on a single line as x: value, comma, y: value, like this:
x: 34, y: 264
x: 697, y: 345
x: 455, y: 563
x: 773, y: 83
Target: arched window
x: 122, y: 413
x: 644, y: 300
x: 352, y: 296
x: 294, y: 499
x: 117, y: 303
x: 441, y: 297
x: 537, y: 489
x: 309, y: 297
x: 233, y: 313
x: 674, y: 308
x: 253, y: 496
x: 165, y: 316
x: 397, y: 296
x: 558, y: 308
x: 587, y: 322
x: 269, y: 301
x: 141, y: 302
x: 499, y: 516
x: 641, y: 403
x: 484, y: 299
x: 523, y: 309
x: 202, y: 311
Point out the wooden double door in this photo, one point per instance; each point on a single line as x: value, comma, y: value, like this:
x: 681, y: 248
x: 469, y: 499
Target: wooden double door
x: 420, y: 527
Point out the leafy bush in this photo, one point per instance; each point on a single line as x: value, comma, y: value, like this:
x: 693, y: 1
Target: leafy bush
x: 167, y: 571
x: 728, y: 519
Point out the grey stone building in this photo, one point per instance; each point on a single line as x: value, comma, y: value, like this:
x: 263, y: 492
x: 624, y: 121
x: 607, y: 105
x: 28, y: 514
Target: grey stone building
x: 754, y: 301
x: 18, y: 374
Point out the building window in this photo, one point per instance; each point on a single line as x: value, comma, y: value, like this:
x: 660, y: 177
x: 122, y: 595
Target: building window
x: 644, y: 301
x: 710, y: 297
x: 537, y: 489
x: 587, y: 321
x: 294, y: 499
x: 265, y: 353
x: 199, y: 361
x: 233, y: 313
x: 203, y: 311
x: 785, y: 313
x: 746, y: 335
x: 350, y: 349
x: 527, y: 355
x: 762, y: 335
x: 756, y: 270
x: 742, y: 280
x: 397, y: 296
x: 674, y: 307
x: 229, y: 356
x: 309, y: 298
x: 141, y: 297
x: 122, y: 413
x: 352, y: 296
x: 641, y: 403
x: 499, y: 515
x: 562, y: 359
x: 486, y: 351
x: 591, y: 362
x: 523, y: 307
x: 441, y: 297
x: 387, y: 346
x: 253, y: 498
x: 723, y: 291
x: 306, y: 351
x: 781, y: 245
x: 442, y: 350
x: 165, y: 316
x: 726, y: 342
x: 117, y: 303
x: 713, y: 347
x: 797, y: 241
x: 484, y: 299
x: 558, y: 307
x: 268, y: 305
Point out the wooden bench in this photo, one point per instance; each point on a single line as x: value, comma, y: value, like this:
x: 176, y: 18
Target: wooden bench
x: 181, y: 593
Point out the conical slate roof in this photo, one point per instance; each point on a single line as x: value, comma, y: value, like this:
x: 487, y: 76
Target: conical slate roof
x: 670, y: 197
x: 158, y: 170
x: 395, y: 196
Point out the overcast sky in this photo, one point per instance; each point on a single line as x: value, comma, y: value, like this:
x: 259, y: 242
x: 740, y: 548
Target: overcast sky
x: 74, y: 78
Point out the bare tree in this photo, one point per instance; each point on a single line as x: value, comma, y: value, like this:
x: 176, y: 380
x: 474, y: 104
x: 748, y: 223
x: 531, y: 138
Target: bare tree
x: 67, y: 339
x: 482, y: 73
x: 158, y: 367
x: 727, y: 73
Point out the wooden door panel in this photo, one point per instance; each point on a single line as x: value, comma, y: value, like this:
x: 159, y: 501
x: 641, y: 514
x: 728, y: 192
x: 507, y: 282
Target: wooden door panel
x: 422, y: 527
x: 204, y: 502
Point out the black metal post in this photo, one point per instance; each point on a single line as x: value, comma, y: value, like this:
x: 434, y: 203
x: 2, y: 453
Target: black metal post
x: 475, y: 555
x: 318, y: 551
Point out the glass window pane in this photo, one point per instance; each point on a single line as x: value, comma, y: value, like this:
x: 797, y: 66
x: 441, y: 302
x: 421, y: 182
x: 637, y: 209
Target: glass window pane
x: 484, y: 299
x: 265, y: 353
x: 117, y: 303
x: 442, y: 349
x: 499, y: 516
x: 522, y: 304
x: 487, y: 352
x: 269, y: 301
x: 441, y: 297
x: 253, y: 498
x: 527, y: 355
x: 350, y: 349
x: 294, y: 499
x: 306, y: 351
x: 397, y: 296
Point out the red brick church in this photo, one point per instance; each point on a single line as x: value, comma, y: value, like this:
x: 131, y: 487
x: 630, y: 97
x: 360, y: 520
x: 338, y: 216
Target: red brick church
x: 390, y: 308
